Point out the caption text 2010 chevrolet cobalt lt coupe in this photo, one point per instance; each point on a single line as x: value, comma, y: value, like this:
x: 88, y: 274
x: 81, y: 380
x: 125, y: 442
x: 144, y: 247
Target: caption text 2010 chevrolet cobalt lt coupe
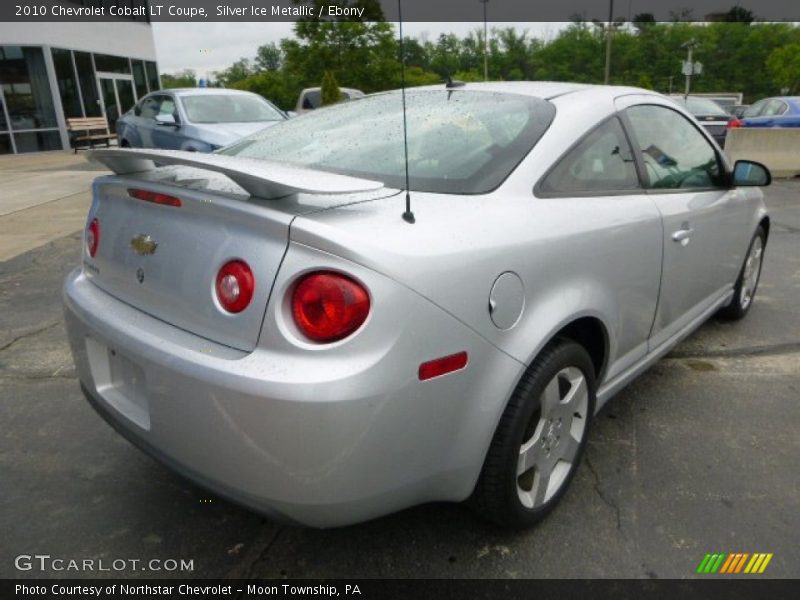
x: 265, y: 320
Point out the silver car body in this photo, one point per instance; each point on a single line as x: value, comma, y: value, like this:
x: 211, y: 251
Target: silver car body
x: 334, y: 434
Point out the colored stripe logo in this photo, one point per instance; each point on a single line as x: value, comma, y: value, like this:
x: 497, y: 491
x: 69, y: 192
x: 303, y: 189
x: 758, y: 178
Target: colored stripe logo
x: 734, y: 563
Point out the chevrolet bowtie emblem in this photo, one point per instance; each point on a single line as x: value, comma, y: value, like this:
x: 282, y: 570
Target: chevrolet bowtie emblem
x: 144, y: 244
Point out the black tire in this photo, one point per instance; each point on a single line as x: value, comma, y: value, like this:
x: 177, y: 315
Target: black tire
x: 125, y: 144
x: 499, y: 493
x: 740, y: 303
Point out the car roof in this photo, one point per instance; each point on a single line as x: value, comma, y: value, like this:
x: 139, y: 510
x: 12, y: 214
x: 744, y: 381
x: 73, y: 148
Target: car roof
x: 545, y: 89
x: 791, y: 100
x: 215, y: 91
x: 316, y: 89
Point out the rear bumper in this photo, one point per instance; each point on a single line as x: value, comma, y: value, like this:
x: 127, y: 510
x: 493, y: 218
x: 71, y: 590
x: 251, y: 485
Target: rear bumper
x: 261, y: 429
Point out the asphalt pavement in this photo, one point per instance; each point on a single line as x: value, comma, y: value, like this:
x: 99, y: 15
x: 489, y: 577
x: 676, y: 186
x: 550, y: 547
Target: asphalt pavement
x: 701, y: 454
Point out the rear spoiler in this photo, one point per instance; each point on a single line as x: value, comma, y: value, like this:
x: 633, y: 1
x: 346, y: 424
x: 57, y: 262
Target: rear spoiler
x: 261, y: 178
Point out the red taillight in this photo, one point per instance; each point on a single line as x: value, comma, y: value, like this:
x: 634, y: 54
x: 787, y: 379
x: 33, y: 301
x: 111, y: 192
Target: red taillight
x: 328, y: 306
x: 235, y: 286
x: 734, y: 123
x: 93, y: 237
x: 155, y: 197
x: 442, y: 366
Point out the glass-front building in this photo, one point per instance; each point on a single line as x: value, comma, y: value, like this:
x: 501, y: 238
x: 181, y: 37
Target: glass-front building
x: 69, y: 74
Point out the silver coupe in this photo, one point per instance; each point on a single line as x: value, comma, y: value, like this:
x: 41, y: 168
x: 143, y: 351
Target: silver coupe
x: 273, y: 322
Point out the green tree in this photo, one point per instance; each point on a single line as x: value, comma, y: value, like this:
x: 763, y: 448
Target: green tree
x: 418, y: 76
x: 329, y: 92
x: 277, y: 87
x: 269, y: 57
x: 185, y: 78
x: 241, y: 69
x: 783, y: 65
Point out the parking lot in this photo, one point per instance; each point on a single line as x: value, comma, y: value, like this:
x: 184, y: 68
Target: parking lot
x: 699, y: 455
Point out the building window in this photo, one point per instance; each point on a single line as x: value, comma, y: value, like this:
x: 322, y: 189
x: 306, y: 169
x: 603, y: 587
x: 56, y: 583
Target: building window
x: 3, y: 122
x: 139, y: 77
x: 111, y: 64
x: 35, y: 141
x: 152, y: 76
x: 67, y: 83
x: 91, y: 102
x: 5, y: 143
x: 26, y: 89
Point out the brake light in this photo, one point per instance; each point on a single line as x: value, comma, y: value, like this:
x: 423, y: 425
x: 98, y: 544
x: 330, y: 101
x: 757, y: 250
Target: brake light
x: 442, y: 366
x: 235, y: 286
x: 93, y: 237
x: 329, y: 306
x: 155, y: 197
x: 735, y: 124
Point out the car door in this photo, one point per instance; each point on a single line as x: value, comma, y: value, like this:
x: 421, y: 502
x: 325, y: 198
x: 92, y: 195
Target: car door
x: 597, y: 182
x: 703, y: 217
x: 145, y: 121
x: 165, y: 136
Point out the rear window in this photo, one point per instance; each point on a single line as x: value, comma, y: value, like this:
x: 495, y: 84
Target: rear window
x: 459, y: 141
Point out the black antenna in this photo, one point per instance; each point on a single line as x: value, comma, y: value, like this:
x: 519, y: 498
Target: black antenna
x: 408, y: 216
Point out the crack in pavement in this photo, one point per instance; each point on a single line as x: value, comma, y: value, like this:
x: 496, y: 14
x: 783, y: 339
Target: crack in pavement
x: 612, y: 505
x: 261, y: 550
x: 29, y: 334
x: 766, y: 350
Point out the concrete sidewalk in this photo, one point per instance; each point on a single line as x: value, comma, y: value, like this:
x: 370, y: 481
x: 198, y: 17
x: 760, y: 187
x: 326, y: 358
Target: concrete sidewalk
x: 46, y: 196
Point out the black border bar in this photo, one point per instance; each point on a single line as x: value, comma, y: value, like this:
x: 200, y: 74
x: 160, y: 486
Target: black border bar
x: 709, y: 587
x: 387, y: 10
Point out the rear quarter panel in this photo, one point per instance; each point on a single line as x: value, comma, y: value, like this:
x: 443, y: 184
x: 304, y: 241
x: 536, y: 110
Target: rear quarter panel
x: 577, y: 257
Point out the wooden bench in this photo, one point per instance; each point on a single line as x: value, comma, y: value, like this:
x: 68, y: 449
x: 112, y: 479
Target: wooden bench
x: 86, y: 131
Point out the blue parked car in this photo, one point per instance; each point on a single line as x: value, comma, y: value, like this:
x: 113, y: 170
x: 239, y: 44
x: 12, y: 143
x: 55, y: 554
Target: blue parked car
x: 195, y: 119
x: 783, y: 111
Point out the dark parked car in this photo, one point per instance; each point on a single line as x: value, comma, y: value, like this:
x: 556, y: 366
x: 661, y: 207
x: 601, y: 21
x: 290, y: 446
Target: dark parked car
x: 711, y: 115
x: 783, y: 111
x: 195, y: 119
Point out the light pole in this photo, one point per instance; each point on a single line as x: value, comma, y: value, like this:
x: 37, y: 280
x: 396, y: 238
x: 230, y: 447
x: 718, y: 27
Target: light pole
x: 485, y: 42
x: 689, y: 66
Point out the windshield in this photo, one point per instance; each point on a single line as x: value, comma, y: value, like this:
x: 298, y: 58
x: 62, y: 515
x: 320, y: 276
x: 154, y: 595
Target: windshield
x: 458, y: 141
x: 229, y: 108
x: 702, y: 106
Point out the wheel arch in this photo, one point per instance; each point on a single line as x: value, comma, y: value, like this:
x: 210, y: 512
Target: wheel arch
x: 591, y: 333
x: 764, y: 223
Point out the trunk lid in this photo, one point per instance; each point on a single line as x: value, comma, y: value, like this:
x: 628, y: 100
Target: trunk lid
x: 172, y: 276
x: 176, y: 282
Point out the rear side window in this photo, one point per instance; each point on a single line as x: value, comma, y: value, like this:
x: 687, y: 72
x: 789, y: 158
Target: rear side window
x: 312, y: 99
x: 774, y: 107
x: 601, y: 162
x: 675, y: 154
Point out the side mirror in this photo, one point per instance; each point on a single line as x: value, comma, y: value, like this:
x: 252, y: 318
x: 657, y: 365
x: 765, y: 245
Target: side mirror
x: 749, y: 173
x: 166, y: 119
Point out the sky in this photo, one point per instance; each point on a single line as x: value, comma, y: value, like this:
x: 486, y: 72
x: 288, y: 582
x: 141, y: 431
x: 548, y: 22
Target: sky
x: 209, y: 47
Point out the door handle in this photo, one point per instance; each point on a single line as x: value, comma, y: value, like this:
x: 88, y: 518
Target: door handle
x: 682, y: 235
